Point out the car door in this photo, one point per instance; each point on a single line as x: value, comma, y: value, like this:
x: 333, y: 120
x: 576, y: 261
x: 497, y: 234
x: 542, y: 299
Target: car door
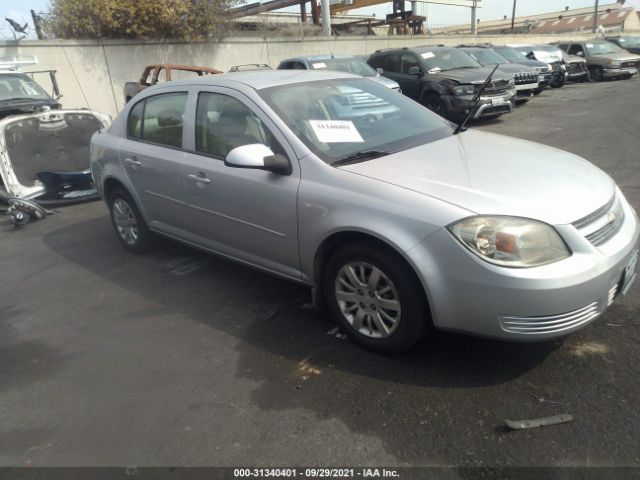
x: 409, y: 83
x: 151, y: 155
x: 248, y: 214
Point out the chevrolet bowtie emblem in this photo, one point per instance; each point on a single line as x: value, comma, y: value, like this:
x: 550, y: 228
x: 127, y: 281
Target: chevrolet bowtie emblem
x: 611, y: 217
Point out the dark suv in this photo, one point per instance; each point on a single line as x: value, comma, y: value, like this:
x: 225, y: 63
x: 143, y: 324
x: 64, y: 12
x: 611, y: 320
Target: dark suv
x: 445, y: 80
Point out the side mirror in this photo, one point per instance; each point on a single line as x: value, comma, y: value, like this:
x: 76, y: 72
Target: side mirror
x: 580, y: 54
x: 379, y: 71
x: 258, y: 156
x: 414, y: 71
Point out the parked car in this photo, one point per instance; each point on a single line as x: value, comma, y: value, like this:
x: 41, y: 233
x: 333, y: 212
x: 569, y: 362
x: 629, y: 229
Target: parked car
x: 340, y: 63
x: 552, y: 56
x: 526, y: 78
x: 445, y: 80
x: 44, y: 149
x: 154, y: 73
x: 604, y: 59
x: 628, y: 42
x: 397, y: 222
x: 250, y: 66
x: 577, y: 70
x: 545, y: 75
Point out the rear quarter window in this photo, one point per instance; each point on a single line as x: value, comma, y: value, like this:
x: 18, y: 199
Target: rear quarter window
x: 158, y: 119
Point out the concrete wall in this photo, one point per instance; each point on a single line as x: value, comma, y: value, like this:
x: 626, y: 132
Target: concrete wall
x: 92, y: 73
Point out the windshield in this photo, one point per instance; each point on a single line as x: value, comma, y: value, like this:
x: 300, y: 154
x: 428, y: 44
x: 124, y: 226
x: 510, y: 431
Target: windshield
x: 347, y: 65
x: 339, y: 118
x: 629, y: 41
x: 487, y: 56
x: 447, y: 59
x: 602, y: 47
x: 510, y: 53
x: 20, y: 87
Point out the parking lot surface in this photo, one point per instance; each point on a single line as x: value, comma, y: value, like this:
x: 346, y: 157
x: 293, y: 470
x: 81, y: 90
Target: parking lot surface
x: 180, y: 358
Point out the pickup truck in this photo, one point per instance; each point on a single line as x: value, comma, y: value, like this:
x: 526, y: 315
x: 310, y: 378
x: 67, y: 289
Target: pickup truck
x: 164, y: 72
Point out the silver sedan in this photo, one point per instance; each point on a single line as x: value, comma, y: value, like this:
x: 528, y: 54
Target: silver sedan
x: 398, y: 224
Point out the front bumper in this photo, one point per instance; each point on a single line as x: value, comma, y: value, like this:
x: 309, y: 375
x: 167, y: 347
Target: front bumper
x: 618, y: 72
x: 488, y: 106
x: 470, y: 295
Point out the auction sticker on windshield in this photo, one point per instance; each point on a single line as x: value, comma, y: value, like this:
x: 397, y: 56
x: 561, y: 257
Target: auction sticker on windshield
x: 320, y: 65
x: 336, y: 131
x: 428, y: 55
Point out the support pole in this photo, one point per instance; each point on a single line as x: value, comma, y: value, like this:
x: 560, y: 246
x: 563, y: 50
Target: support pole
x: 474, y: 21
x: 303, y: 11
x: 36, y: 24
x: 595, y: 18
x: 513, y: 17
x: 314, y: 12
x: 326, y: 18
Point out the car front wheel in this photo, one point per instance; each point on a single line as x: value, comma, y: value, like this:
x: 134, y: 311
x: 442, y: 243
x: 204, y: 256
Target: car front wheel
x: 436, y: 105
x: 596, y: 74
x: 129, y: 225
x: 375, y: 298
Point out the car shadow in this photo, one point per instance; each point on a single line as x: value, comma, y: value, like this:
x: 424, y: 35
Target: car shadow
x: 275, y: 315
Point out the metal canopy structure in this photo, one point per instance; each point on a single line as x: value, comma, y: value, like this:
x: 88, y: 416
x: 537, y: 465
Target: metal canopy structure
x: 345, y: 5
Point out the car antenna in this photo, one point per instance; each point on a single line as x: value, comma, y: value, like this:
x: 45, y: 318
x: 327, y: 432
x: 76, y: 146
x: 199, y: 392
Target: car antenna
x: 476, y: 99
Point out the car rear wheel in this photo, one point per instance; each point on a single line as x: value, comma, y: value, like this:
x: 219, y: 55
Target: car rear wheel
x: 436, y: 105
x: 129, y: 225
x: 376, y: 298
x: 596, y: 74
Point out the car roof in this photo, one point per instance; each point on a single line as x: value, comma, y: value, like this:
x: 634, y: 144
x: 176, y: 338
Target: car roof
x: 325, y: 56
x: 259, y: 79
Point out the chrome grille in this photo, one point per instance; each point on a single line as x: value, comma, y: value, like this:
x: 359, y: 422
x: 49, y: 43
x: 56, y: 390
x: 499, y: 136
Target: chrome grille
x: 599, y: 226
x: 525, y: 77
x: 551, y: 323
x: 630, y: 64
x: 577, y: 67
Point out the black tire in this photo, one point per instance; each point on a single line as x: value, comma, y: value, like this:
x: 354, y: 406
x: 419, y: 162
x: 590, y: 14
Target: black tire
x: 537, y: 91
x: 558, y: 84
x: 596, y: 74
x: 414, y: 318
x: 434, y: 103
x: 144, y: 240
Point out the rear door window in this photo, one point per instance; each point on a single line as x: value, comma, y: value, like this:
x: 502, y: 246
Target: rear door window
x: 575, y: 49
x: 159, y: 119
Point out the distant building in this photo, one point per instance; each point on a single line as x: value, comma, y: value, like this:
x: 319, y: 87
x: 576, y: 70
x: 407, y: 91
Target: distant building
x: 613, y: 17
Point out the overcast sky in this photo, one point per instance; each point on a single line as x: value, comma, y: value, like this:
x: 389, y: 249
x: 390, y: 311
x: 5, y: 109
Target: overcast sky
x: 438, y: 14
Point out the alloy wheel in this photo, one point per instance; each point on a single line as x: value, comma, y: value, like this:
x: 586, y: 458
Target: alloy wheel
x: 125, y: 221
x: 368, y: 300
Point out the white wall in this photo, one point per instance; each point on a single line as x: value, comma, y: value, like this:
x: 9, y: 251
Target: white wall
x: 92, y: 74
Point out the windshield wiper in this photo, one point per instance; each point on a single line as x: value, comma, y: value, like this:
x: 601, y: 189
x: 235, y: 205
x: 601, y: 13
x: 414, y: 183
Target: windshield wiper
x: 360, y: 157
x: 474, y: 101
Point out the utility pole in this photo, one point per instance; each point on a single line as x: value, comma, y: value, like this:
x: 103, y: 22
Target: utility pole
x: 595, y: 18
x: 513, y: 17
x: 36, y: 24
x: 326, y: 18
x: 474, y: 22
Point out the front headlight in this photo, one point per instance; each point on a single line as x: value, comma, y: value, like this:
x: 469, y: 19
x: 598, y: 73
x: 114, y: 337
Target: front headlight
x: 512, y: 83
x: 549, y: 66
x: 614, y: 63
x: 464, y: 90
x: 511, y: 241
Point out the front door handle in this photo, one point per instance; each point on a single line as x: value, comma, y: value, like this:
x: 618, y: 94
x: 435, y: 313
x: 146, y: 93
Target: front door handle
x: 199, y: 178
x: 133, y: 163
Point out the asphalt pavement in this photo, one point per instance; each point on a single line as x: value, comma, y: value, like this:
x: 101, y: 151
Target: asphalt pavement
x: 180, y: 358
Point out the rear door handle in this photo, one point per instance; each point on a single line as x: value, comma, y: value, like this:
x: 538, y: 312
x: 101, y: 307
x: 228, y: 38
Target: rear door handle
x: 199, y: 179
x: 132, y: 162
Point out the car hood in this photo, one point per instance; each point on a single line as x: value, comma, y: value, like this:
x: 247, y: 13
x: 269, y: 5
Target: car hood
x: 492, y: 174
x: 528, y: 62
x: 468, y: 75
x: 618, y: 56
x: 511, y: 68
x: 387, y: 82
